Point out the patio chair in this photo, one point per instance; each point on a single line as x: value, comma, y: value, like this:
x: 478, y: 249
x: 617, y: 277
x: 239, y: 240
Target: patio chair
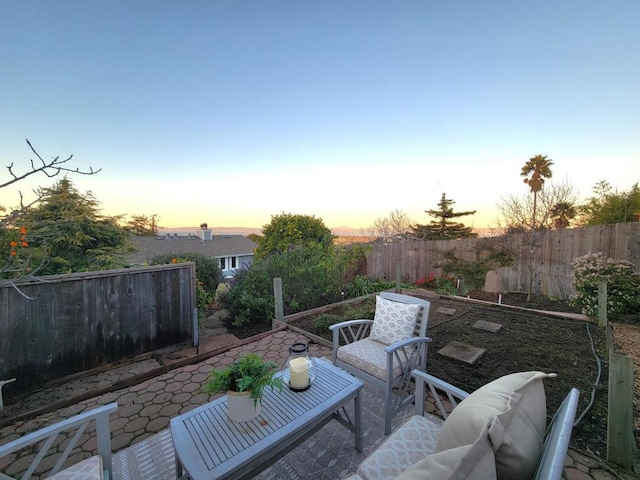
x: 43, y: 440
x: 385, y: 350
x: 496, y: 432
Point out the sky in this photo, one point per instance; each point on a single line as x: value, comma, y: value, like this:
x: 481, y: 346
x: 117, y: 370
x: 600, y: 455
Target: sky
x: 232, y: 112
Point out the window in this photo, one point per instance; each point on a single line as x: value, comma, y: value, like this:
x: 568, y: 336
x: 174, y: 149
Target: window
x: 223, y: 263
x: 233, y: 262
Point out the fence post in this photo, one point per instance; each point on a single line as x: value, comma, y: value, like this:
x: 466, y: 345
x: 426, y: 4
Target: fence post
x: 602, y: 303
x: 279, y: 303
x: 195, y: 334
x: 620, y: 441
x: 398, y: 286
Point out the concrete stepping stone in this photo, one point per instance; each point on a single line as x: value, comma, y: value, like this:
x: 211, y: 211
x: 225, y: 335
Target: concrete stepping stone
x: 487, y: 326
x: 446, y: 310
x: 462, y: 351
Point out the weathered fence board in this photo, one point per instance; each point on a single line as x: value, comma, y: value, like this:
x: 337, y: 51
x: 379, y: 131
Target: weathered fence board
x: 84, y: 320
x: 553, y: 254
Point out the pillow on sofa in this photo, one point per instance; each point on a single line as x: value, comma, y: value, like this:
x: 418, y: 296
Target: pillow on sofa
x: 393, y: 321
x: 468, y: 462
x: 88, y: 469
x: 518, y: 403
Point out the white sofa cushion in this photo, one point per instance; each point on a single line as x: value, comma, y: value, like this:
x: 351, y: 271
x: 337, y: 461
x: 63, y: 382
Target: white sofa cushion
x: 393, y: 321
x: 369, y: 356
x: 409, y: 444
x: 518, y: 402
x: 88, y: 469
x: 468, y: 462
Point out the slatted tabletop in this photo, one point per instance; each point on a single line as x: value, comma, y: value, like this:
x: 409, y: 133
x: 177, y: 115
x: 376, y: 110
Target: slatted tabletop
x: 209, y: 445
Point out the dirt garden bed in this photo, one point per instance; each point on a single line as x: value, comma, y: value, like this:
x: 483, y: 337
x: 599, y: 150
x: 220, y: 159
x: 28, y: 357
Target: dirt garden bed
x: 574, y: 349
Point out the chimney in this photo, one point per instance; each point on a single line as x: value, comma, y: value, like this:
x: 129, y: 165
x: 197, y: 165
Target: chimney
x: 204, y: 233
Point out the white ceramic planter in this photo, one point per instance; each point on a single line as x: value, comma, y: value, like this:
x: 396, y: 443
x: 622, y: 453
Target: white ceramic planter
x: 241, y: 407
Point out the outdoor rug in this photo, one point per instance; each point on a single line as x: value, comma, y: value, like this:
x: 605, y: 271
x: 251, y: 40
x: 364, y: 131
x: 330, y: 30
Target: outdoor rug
x: 329, y: 454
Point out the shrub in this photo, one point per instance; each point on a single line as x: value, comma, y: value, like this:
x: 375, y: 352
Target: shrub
x: 363, y: 309
x: 361, y: 286
x: 425, y: 282
x: 322, y: 322
x: 449, y: 286
x: 623, y: 285
x: 472, y: 273
x: 311, y: 275
x: 250, y: 299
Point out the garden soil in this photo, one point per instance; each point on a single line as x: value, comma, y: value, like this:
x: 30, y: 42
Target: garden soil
x: 574, y: 349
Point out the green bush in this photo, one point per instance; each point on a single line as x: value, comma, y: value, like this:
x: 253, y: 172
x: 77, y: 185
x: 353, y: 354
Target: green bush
x: 449, y: 286
x: 623, y: 285
x: 250, y: 298
x: 361, y: 286
x: 322, y: 322
x: 289, y: 230
x: 311, y: 275
x: 207, y: 268
x: 472, y: 273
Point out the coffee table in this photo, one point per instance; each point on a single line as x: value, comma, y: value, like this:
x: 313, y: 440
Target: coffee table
x: 208, y: 445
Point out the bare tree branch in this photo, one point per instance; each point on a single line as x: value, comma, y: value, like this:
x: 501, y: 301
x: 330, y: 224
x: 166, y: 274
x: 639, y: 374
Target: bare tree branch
x: 50, y: 168
x: 18, y: 269
x: 395, y: 226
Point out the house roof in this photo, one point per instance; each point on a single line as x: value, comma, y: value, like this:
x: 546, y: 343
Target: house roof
x: 219, y: 246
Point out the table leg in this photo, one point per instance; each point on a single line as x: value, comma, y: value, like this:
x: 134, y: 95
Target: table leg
x: 358, y: 420
x: 179, y: 473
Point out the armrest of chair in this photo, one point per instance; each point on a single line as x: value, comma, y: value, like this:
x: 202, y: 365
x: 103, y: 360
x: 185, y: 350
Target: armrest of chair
x: 350, y: 331
x: 439, y: 390
x: 406, y: 342
x: 78, y: 423
x: 408, y: 354
x: 557, y: 438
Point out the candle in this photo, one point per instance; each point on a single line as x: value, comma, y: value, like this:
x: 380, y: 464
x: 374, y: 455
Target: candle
x: 299, y: 373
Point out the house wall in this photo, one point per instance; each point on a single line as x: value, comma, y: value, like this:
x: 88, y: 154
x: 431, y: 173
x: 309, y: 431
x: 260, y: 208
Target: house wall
x: 242, y: 261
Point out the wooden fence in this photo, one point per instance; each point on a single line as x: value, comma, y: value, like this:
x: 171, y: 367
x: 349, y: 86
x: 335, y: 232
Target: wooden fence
x: 53, y: 326
x: 550, y: 253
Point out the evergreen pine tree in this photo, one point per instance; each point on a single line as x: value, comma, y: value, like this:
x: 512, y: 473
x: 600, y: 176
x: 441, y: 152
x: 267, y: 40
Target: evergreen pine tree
x: 443, y: 228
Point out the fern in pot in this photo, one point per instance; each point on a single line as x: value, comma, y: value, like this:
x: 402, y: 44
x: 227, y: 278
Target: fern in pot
x: 244, y: 382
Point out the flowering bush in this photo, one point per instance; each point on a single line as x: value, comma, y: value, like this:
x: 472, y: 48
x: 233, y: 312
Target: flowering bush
x: 427, y: 282
x: 13, y: 243
x: 623, y: 284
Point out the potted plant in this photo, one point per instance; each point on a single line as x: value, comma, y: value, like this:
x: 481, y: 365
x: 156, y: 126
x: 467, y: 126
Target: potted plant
x: 244, y: 382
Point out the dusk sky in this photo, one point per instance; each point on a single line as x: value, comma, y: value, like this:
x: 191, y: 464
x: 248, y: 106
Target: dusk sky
x: 232, y: 112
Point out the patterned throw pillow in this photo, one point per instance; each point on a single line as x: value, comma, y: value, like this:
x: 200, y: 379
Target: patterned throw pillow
x: 518, y: 403
x: 88, y: 469
x: 467, y: 462
x: 393, y: 321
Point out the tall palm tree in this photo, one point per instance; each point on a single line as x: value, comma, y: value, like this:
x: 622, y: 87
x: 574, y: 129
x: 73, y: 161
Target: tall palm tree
x: 562, y: 213
x: 535, y: 171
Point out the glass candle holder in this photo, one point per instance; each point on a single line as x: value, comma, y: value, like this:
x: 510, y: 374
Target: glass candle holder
x: 300, y: 368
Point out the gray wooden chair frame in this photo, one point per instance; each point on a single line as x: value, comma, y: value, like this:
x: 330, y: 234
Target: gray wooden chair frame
x: 48, y: 435
x: 557, y: 437
x: 409, y: 354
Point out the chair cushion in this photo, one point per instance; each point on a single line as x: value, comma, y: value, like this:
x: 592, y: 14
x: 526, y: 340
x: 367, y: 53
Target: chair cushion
x: 518, y: 403
x: 468, y: 462
x: 369, y: 356
x: 409, y: 444
x: 393, y: 321
x: 88, y: 469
